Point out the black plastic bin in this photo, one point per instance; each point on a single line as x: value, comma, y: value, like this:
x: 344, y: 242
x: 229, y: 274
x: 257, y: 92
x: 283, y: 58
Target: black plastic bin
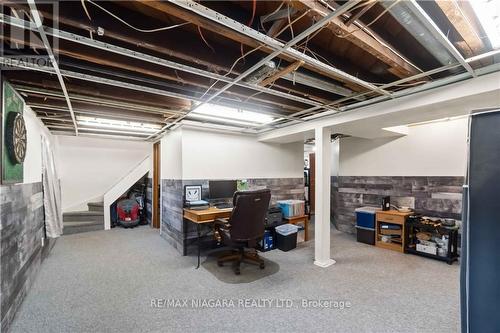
x: 286, y: 241
x: 365, y: 235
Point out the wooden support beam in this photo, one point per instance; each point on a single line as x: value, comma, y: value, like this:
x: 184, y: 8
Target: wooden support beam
x: 130, y: 39
x: 173, y: 10
x: 38, y: 80
x: 282, y: 72
x: 43, y: 110
x: 93, y: 57
x: 169, y: 9
x: 360, y: 38
x: 472, y: 44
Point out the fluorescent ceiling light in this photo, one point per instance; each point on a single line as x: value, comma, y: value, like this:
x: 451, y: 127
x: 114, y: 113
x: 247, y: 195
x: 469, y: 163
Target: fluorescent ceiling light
x: 230, y: 115
x: 219, y: 119
x: 117, y: 124
x: 106, y: 130
x: 488, y: 13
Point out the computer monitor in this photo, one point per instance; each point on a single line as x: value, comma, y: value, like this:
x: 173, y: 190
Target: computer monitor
x: 221, y: 189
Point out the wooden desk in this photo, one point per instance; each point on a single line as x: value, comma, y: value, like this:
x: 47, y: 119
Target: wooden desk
x: 207, y: 215
x: 298, y: 219
x: 200, y: 217
x: 391, y: 217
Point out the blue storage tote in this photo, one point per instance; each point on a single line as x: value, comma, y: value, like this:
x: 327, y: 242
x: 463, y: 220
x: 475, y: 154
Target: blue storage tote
x: 365, y: 217
x: 291, y: 208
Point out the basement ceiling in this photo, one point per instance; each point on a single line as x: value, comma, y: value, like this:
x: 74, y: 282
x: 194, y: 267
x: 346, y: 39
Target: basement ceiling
x: 127, y: 63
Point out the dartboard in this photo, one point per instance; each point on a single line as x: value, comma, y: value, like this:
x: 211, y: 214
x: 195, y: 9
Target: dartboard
x: 16, y: 137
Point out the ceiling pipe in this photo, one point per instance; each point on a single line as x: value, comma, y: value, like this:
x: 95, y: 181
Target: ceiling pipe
x: 418, y: 29
x: 318, y: 83
x: 416, y: 21
x: 420, y: 13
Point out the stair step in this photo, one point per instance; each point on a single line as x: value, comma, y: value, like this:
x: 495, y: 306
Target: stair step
x: 81, y: 226
x: 83, y: 216
x: 96, y: 206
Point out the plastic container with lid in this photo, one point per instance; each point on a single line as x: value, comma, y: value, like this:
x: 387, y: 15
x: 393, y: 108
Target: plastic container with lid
x: 365, y: 217
x: 286, y: 237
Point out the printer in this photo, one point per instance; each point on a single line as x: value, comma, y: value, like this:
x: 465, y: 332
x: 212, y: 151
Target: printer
x: 197, y: 205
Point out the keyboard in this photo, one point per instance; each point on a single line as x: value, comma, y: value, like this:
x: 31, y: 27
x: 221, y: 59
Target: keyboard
x: 224, y: 205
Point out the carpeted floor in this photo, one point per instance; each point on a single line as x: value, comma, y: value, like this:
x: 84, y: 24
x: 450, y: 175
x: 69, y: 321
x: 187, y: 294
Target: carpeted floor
x: 107, y: 281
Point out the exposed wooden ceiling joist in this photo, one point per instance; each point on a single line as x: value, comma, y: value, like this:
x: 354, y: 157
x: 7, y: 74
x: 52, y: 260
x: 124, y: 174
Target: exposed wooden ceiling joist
x: 360, y: 38
x: 452, y: 9
x: 56, y: 110
x: 155, y: 60
x: 98, y: 94
x: 171, y: 9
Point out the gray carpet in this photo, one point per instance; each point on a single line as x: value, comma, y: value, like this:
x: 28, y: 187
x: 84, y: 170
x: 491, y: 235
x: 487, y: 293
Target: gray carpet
x: 104, y: 281
x: 249, y: 272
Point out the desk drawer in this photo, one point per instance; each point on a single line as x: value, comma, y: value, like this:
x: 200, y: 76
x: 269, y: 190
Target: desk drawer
x: 390, y: 218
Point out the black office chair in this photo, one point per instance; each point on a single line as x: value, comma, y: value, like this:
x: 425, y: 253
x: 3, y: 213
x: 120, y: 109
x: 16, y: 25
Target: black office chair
x: 245, y: 227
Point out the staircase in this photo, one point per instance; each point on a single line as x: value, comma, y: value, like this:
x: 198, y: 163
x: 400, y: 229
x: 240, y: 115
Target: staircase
x: 83, y: 221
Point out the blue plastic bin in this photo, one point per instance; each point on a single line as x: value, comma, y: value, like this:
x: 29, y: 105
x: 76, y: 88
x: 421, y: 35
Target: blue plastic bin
x: 365, y: 217
x: 291, y: 208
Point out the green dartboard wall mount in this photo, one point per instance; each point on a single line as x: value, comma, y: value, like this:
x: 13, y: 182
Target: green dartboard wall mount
x: 14, y: 136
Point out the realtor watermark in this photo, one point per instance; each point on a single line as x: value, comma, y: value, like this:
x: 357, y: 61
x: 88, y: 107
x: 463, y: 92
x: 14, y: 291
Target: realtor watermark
x: 22, y: 45
x: 248, y: 303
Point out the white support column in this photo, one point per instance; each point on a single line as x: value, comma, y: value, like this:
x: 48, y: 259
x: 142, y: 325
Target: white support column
x: 322, y: 198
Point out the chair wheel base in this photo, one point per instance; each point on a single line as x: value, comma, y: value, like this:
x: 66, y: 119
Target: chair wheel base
x: 239, y: 256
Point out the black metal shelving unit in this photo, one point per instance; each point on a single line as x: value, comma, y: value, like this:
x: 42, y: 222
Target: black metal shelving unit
x: 411, y: 229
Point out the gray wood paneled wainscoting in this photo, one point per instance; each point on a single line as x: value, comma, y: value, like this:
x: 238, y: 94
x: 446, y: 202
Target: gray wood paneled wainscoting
x: 182, y: 234
x: 432, y: 196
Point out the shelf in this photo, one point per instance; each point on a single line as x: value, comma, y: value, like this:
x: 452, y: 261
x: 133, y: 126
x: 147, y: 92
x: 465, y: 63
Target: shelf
x: 393, y: 240
x: 452, y: 234
x: 390, y: 246
x: 447, y: 259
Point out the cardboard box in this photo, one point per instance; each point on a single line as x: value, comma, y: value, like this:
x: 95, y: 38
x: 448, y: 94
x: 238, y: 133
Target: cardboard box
x: 390, y: 232
x: 427, y: 249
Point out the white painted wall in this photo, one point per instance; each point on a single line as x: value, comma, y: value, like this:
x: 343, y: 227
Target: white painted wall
x: 222, y: 155
x: 434, y: 149
x: 88, y: 167
x: 171, y: 155
x: 35, y: 130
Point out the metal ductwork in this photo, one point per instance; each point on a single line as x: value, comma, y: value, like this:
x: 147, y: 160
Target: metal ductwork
x: 403, y: 13
x: 270, y: 68
x: 261, y: 73
x: 314, y: 82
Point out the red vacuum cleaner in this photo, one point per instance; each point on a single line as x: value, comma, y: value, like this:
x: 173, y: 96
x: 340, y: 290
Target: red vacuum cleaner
x: 128, y: 213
